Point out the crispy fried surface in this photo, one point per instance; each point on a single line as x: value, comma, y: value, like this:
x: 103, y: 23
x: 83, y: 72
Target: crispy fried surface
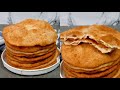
x: 31, y: 59
x: 30, y: 32
x: 106, y: 38
x: 94, y: 70
x: 112, y: 74
x: 87, y: 56
x: 95, y: 75
x: 36, y: 65
x: 34, y: 54
x: 117, y: 75
x: 29, y: 49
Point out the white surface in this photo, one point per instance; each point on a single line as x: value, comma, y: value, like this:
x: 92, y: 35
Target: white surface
x: 28, y: 72
x: 61, y: 71
x: 3, y: 17
x: 78, y: 18
x: 1, y: 39
x: 19, y: 16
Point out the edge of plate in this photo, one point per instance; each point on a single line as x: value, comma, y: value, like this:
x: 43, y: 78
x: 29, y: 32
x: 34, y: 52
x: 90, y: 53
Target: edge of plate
x: 61, y: 72
x: 29, y: 72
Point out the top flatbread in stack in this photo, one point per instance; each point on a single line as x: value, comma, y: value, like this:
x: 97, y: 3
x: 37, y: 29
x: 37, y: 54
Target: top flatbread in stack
x: 30, y: 33
x: 102, y: 37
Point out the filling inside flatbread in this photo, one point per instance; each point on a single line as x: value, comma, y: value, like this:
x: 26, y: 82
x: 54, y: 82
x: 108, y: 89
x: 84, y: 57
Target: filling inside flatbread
x: 99, y: 45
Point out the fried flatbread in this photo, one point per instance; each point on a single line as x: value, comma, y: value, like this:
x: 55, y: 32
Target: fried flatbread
x: 30, y: 32
x: 94, y: 70
x: 29, y: 49
x: 87, y: 56
x: 36, y: 65
x: 95, y: 75
x: 34, y: 54
x: 31, y: 59
x: 102, y: 37
x: 112, y: 74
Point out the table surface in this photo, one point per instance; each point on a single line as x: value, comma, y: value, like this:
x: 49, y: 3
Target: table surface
x: 4, y: 73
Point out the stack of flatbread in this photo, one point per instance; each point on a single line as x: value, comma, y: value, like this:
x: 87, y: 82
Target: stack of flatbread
x: 30, y: 44
x: 91, y: 52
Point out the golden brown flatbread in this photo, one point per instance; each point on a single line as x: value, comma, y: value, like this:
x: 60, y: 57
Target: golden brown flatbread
x: 34, y: 54
x: 31, y: 59
x: 37, y: 65
x: 95, y: 75
x: 34, y: 24
x: 102, y: 37
x: 15, y: 61
x: 112, y: 74
x: 94, y: 70
x: 117, y: 75
x: 29, y: 49
x: 30, y: 32
x: 87, y: 56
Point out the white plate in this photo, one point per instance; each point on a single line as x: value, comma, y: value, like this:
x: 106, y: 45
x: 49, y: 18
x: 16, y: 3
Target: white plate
x: 61, y: 71
x: 1, y: 38
x: 29, y: 72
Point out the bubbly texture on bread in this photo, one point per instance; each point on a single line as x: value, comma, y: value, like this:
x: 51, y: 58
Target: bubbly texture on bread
x: 102, y: 37
x: 30, y: 32
x: 87, y: 56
